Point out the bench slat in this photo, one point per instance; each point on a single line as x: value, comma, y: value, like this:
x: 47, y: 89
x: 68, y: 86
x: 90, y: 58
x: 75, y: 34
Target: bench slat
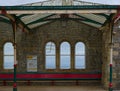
x: 51, y: 76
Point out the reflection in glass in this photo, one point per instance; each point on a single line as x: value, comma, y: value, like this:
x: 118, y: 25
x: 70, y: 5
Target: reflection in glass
x: 80, y: 56
x: 8, y: 56
x: 50, y: 52
x: 65, y: 62
x: 65, y: 55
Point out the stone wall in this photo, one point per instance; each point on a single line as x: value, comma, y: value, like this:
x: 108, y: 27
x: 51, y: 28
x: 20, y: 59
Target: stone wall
x: 33, y: 43
x: 97, y: 44
x: 106, y: 40
x: 116, y: 56
x: 6, y: 35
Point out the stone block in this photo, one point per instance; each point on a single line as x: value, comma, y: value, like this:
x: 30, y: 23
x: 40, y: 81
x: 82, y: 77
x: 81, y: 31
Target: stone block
x: 114, y: 75
x: 115, y: 53
x: 116, y: 45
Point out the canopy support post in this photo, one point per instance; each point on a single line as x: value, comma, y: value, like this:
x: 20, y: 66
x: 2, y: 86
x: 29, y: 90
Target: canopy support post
x: 111, y: 56
x: 14, y: 26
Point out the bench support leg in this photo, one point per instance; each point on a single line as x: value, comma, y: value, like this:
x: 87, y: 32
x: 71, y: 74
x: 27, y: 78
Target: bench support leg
x: 52, y: 82
x: 77, y: 83
x: 4, y: 83
x: 28, y: 82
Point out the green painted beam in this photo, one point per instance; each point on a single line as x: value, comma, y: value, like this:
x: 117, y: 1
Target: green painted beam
x: 84, y: 7
x: 54, y: 19
x: 62, y: 19
x: 23, y: 15
x: 40, y: 20
x: 108, y: 19
x: 5, y: 20
x: 18, y: 20
x: 88, y: 20
x: 104, y: 15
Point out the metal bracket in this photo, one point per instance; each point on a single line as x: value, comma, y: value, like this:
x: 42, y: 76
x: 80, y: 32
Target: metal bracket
x: 3, y: 11
x: 117, y: 17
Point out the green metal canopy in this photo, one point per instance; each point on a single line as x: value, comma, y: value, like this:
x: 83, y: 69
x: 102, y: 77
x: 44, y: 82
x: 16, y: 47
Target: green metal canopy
x: 33, y: 15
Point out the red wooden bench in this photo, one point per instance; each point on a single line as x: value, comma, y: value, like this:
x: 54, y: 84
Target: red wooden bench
x: 49, y: 76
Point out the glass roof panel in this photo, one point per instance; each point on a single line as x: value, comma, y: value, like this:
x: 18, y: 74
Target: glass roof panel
x: 33, y: 20
x: 28, y: 19
x: 92, y: 24
x: 38, y: 24
x: 61, y: 2
x: 4, y: 17
x: 94, y: 17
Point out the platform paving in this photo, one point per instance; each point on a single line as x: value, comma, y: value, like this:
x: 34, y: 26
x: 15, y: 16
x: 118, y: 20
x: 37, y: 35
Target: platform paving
x: 53, y: 88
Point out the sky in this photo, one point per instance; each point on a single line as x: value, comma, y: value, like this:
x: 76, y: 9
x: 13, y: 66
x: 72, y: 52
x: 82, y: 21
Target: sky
x: 19, y: 2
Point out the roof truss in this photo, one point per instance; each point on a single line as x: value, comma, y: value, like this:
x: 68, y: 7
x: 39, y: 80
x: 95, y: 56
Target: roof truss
x: 89, y: 20
x: 18, y: 13
x: 40, y: 20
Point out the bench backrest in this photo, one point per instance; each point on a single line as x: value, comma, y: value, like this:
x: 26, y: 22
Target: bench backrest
x: 50, y: 76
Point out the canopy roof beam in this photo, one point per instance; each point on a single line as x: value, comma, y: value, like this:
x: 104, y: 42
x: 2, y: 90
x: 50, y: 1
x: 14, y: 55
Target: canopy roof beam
x: 18, y: 21
x: 24, y: 26
x: 60, y: 9
x: 89, y: 20
x: 39, y: 20
x: 14, y: 18
x: 4, y: 20
x: 104, y: 15
x: 108, y: 20
x: 23, y: 15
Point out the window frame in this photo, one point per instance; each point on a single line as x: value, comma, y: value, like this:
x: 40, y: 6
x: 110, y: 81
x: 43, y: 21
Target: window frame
x: 80, y: 55
x: 68, y: 55
x: 8, y: 55
x: 48, y: 55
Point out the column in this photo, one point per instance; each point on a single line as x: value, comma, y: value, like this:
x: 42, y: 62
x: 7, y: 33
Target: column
x: 14, y: 26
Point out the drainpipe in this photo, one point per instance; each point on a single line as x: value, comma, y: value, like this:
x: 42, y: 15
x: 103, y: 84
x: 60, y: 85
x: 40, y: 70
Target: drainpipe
x: 15, y: 61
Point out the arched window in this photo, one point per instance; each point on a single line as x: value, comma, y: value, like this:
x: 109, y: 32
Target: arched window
x: 50, y: 52
x: 65, y: 55
x: 8, y: 55
x: 79, y: 55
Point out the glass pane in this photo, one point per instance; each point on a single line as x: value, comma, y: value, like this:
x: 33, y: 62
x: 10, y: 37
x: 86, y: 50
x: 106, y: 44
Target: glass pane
x: 80, y: 48
x: 80, y: 62
x: 65, y: 62
x: 8, y: 62
x: 50, y: 62
x: 50, y: 48
x: 50, y: 56
x: 65, y: 48
x: 8, y: 49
